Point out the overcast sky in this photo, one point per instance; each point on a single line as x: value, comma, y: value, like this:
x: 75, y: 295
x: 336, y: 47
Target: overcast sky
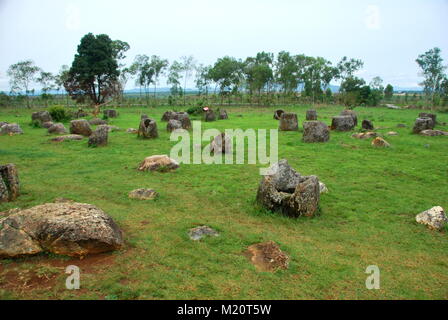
x: 387, y: 35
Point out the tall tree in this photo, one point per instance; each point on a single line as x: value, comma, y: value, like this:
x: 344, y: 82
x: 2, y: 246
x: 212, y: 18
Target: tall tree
x: 347, y: 67
x: 227, y: 73
x: 389, y: 92
x: 174, y: 76
x: 94, y: 71
x: 144, y: 73
x: 47, y: 80
x: 286, y: 72
x: 188, y: 64
x: 159, y: 66
x: 22, y: 75
x: 203, y: 78
x: 433, y: 69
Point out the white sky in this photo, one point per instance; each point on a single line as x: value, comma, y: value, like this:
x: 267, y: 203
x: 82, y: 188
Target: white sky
x: 387, y: 35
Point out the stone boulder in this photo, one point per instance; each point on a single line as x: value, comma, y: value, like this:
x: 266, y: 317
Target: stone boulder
x: 40, y: 117
x: 81, y: 127
x: 315, y: 131
x: 352, y: 114
x: 433, y: 133
x: 168, y: 115
x: 209, y: 116
x: 223, y: 115
x: 289, y: 122
x: 80, y: 114
x: 393, y: 107
x: 148, y: 129
x: 70, y: 137
x: 432, y: 116
x: 9, y: 183
x: 380, y: 142
x: 311, y: 115
x: 288, y: 192
x: 109, y: 127
x: 367, y: 125
x: 435, y: 218
x: 99, y: 137
x: 2, y: 123
x: 221, y: 144
x: 132, y: 130
x: 57, y: 128
x: 278, y: 114
x: 111, y: 113
x: 342, y: 123
x: 47, y: 124
x: 392, y: 133
x: 161, y: 163
x: 68, y: 228
x: 423, y: 124
x: 173, y: 125
x: 143, y: 194
x: 11, y: 129
x: 184, y: 119
x: 97, y: 121
x: 198, y: 233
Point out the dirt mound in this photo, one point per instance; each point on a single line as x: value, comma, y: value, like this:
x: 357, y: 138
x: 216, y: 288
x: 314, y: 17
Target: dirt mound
x: 267, y: 256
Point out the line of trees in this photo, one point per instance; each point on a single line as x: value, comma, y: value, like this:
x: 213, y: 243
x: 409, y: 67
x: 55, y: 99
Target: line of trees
x: 98, y: 74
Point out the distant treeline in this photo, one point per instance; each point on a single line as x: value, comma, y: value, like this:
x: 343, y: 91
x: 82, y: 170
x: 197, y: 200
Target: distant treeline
x: 97, y: 76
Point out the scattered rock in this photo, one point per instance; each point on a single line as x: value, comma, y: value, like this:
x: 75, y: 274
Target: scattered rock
x: 435, y: 218
x: 223, y: 115
x: 81, y: 127
x: 365, y: 135
x: 80, y: 114
x: 110, y: 113
x: 289, y: 122
x: 148, y: 129
x: 380, y: 142
x: 47, y: 124
x: 143, y: 194
x: 423, y: 124
x: 40, y: 117
x: 221, y: 144
x: 392, y: 133
x: 315, y: 131
x: 97, y: 121
x: 209, y: 116
x: 288, y: 192
x: 173, y: 125
x: 70, y: 137
x: 73, y: 229
x: 11, y: 129
x: 391, y: 106
x: 9, y: 183
x: 161, y: 163
x: 57, y: 128
x: 2, y: 123
x: 433, y: 133
x: 311, y: 115
x: 201, y: 232
x: 352, y: 114
x: 99, y: 137
x: 110, y: 128
x: 132, y: 130
x: 267, y: 257
x: 342, y: 123
x: 367, y: 125
x: 322, y: 187
x: 278, y: 114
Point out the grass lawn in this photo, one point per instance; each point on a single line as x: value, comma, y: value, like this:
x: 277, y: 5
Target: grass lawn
x: 367, y: 218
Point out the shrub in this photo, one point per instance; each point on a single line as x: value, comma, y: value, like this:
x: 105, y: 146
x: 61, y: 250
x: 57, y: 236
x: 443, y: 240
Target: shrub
x: 59, y: 114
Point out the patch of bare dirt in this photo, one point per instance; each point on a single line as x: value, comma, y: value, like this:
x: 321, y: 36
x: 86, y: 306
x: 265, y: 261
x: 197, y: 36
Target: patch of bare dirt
x: 267, y: 256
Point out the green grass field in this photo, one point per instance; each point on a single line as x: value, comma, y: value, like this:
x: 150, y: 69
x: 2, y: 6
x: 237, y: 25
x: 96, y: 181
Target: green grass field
x: 367, y: 218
